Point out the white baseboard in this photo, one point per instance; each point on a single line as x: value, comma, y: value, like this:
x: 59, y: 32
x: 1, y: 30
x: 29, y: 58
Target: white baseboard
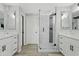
x: 47, y: 50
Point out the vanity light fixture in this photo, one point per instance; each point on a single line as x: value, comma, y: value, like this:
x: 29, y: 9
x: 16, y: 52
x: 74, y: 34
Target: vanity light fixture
x: 13, y: 16
x: 65, y: 15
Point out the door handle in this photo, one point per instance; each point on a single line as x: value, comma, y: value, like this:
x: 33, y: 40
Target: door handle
x: 43, y: 29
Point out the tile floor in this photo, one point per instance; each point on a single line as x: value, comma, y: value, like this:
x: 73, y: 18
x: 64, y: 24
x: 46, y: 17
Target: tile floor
x: 32, y: 50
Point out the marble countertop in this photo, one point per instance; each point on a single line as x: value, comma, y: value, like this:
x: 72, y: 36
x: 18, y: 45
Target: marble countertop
x: 5, y: 35
x: 74, y: 36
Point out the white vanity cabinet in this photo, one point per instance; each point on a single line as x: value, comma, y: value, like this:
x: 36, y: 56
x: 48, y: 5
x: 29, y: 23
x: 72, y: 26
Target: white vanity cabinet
x: 68, y: 46
x: 8, y: 46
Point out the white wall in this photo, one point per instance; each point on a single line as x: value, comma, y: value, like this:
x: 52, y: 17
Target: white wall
x: 20, y: 26
x: 32, y: 26
x: 33, y: 7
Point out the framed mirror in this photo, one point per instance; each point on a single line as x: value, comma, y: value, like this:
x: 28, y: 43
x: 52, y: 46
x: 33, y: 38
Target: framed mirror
x: 11, y: 20
x: 1, y: 20
x: 66, y: 19
x: 75, y: 19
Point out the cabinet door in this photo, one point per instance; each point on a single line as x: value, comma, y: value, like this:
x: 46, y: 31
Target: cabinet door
x: 3, y: 47
x: 4, y: 50
x: 1, y: 43
x: 13, y: 46
x: 67, y: 46
x: 75, y: 47
x: 8, y: 50
x: 8, y: 46
x: 64, y: 45
x: 61, y: 44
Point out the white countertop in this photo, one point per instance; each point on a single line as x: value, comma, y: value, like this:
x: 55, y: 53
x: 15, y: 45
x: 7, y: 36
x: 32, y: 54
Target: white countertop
x: 5, y: 35
x: 75, y: 36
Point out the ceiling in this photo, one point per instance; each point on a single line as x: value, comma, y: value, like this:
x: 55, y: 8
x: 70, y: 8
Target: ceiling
x: 34, y: 7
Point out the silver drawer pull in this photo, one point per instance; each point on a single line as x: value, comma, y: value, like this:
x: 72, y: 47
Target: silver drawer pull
x: 61, y: 49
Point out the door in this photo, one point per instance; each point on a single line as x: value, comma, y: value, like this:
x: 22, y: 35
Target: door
x: 44, y: 31
x: 32, y: 29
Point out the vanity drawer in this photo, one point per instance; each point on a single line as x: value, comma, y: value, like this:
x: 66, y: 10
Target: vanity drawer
x: 75, y: 42
x: 8, y: 46
x: 1, y: 42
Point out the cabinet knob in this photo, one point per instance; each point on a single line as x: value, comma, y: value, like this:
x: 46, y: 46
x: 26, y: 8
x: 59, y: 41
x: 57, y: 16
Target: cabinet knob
x: 71, y: 47
x: 3, y: 48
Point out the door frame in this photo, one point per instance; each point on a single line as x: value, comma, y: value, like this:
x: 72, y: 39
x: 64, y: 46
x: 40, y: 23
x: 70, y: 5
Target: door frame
x: 24, y: 30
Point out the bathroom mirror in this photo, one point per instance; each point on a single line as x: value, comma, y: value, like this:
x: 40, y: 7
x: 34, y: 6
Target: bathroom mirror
x: 1, y: 20
x: 11, y: 20
x: 65, y: 20
x: 75, y: 19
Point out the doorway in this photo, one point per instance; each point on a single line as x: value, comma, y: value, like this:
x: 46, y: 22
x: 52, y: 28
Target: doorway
x: 32, y: 29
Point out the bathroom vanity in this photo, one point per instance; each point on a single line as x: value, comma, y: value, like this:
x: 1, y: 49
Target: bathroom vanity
x: 8, y: 36
x: 69, y: 32
x: 8, y: 44
x: 69, y: 45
